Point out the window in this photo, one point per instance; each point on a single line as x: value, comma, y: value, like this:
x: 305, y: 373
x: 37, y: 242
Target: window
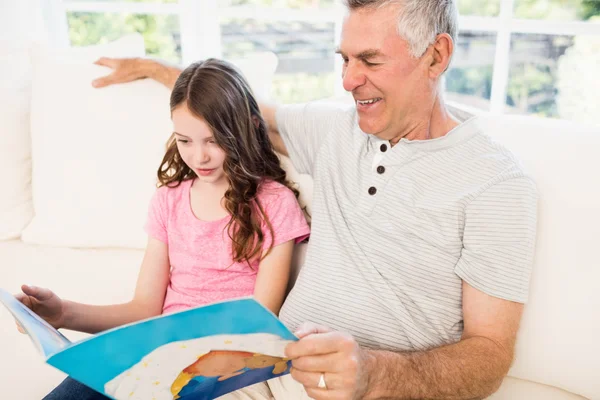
x: 469, y: 79
x: 543, y: 62
x: 305, y: 50
x: 161, y: 32
x: 512, y: 56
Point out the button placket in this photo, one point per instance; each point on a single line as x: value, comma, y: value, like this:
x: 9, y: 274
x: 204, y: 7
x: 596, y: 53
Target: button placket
x: 375, y: 180
x: 372, y: 190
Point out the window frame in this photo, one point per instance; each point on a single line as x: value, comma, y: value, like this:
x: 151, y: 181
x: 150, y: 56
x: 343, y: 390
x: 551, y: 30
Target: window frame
x: 200, y: 21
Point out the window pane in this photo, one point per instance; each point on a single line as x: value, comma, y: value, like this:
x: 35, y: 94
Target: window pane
x: 469, y: 80
x: 279, y: 3
x: 555, y: 76
x: 161, y: 32
x: 300, y: 87
x: 305, y: 51
x: 480, y: 8
x: 557, y: 9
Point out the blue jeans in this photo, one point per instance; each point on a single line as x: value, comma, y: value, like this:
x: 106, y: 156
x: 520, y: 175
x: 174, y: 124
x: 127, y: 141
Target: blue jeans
x: 70, y: 389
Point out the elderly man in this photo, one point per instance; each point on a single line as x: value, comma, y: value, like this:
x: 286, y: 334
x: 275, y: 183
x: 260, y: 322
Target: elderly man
x: 423, y: 229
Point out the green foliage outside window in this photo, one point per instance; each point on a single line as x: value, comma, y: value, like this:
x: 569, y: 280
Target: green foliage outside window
x: 160, y: 32
x: 532, y: 85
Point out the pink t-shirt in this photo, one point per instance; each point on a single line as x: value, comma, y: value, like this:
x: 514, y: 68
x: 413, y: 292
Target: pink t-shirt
x: 200, y: 252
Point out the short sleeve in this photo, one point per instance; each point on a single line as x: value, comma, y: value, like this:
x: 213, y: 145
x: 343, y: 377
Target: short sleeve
x: 499, y: 240
x: 285, y: 216
x: 304, y: 127
x: 156, y: 226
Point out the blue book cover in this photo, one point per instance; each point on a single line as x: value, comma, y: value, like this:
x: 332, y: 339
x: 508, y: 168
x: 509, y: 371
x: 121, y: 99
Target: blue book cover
x: 197, y: 354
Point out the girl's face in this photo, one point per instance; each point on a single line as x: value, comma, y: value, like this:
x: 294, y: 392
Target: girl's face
x: 197, y: 146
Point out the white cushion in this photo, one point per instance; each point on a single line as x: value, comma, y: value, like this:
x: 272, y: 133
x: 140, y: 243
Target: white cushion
x: 258, y: 69
x: 96, y: 151
x: 21, y: 23
x: 15, y: 151
x: 558, y: 340
x: 518, y: 389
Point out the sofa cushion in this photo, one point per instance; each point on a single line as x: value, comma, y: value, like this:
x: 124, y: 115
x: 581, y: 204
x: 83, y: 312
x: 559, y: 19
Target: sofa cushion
x: 558, y: 339
x: 95, y: 151
x: 519, y: 389
x: 15, y: 151
x: 21, y: 23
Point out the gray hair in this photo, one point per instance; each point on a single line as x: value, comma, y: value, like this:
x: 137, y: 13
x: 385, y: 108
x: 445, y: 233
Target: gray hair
x: 419, y: 21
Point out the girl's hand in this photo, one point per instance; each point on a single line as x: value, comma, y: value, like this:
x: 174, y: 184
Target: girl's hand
x: 44, y: 303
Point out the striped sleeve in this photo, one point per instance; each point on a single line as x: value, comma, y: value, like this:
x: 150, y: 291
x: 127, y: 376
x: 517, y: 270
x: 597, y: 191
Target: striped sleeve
x: 499, y: 240
x: 303, y: 128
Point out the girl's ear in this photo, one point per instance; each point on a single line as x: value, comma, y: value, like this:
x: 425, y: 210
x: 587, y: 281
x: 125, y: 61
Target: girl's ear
x: 256, y: 121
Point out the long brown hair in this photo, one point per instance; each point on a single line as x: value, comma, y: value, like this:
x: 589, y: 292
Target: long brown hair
x: 216, y: 91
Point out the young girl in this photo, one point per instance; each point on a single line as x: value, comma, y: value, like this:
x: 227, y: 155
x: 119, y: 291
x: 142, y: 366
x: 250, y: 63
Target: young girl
x: 222, y: 224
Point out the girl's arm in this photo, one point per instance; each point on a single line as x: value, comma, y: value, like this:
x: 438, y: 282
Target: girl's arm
x: 147, y: 302
x: 273, y: 276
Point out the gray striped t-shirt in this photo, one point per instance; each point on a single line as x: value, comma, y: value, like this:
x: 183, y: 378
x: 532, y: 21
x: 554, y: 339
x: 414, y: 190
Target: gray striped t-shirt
x: 395, y: 230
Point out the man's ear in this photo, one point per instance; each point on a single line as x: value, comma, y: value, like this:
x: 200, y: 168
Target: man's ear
x: 443, y: 48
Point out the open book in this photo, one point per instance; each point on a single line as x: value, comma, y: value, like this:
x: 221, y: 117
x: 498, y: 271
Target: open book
x: 196, y: 354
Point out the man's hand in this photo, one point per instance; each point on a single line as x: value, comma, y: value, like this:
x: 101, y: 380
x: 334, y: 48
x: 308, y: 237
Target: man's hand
x: 336, y: 355
x: 124, y: 70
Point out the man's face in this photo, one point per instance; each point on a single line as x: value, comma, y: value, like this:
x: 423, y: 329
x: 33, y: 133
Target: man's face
x: 392, y: 90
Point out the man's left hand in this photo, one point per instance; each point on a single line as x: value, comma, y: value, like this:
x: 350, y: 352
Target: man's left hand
x: 336, y: 355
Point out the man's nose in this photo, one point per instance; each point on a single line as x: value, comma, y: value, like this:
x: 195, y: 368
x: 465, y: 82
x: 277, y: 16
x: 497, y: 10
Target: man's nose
x: 353, y: 76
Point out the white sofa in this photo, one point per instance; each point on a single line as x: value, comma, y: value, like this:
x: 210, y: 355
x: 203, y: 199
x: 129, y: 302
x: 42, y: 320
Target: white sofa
x: 558, y: 351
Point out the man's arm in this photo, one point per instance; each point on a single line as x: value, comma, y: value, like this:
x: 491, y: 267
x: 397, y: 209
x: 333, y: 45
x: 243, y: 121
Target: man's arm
x: 473, y: 368
x: 470, y: 369
x: 131, y: 69
x: 268, y: 112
